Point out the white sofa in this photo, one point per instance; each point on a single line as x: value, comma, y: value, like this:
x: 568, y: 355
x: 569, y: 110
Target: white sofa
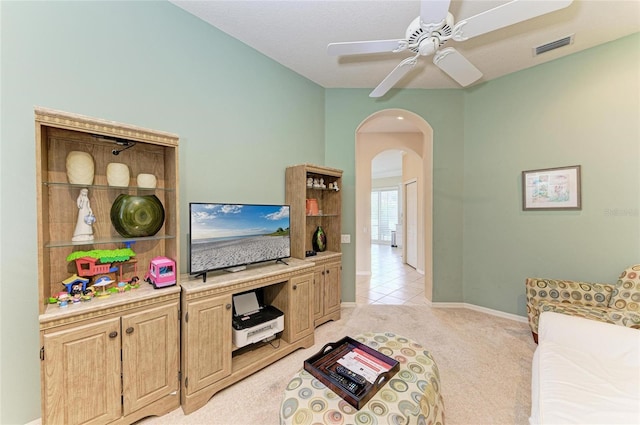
x: 585, y: 372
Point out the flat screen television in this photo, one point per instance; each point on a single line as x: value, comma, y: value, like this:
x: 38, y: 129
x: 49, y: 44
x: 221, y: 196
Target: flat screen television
x: 232, y: 236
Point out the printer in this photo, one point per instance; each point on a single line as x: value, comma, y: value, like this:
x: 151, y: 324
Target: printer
x: 253, y: 321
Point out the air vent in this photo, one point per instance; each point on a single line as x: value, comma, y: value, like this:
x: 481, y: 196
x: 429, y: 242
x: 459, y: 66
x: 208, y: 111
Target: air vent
x: 553, y: 45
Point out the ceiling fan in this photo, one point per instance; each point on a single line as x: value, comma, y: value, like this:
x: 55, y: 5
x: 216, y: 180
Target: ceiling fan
x: 428, y: 33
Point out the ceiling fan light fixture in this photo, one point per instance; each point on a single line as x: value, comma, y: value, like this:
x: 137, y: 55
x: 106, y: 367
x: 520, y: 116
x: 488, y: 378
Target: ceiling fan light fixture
x: 556, y: 44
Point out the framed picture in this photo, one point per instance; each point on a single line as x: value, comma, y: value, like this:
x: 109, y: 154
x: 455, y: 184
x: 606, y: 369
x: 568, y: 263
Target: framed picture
x: 551, y: 189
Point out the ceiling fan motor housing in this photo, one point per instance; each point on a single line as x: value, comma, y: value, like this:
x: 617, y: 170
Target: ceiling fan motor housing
x: 416, y: 34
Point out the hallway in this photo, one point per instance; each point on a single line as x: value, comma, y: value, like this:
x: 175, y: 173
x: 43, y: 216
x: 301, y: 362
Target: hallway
x: 391, y: 281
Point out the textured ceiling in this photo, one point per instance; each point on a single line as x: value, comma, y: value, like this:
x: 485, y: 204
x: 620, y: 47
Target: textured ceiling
x: 295, y: 33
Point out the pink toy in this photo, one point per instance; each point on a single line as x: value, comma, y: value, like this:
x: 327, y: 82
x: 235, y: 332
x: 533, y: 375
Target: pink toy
x: 162, y: 272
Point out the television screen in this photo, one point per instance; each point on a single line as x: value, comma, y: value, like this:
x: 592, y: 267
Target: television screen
x: 225, y: 236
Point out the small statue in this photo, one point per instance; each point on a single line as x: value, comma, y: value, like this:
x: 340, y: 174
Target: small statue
x: 84, y: 229
x: 310, y: 182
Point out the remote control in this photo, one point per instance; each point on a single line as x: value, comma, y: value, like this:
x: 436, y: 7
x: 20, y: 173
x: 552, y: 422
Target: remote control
x: 358, y: 379
x: 351, y: 386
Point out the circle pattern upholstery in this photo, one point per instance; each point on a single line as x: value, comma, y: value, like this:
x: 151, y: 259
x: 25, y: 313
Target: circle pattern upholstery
x: 412, y: 396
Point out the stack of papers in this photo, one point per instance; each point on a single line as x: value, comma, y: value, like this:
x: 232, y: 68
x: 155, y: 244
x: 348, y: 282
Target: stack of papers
x: 364, y: 364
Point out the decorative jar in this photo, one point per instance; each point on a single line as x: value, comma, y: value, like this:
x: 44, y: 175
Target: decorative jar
x: 117, y: 174
x: 80, y: 168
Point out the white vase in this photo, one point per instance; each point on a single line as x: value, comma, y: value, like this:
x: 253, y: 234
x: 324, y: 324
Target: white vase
x: 117, y: 174
x: 147, y: 181
x: 80, y: 167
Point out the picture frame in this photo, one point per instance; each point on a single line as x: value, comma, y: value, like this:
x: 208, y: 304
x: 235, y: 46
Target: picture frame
x: 552, y: 189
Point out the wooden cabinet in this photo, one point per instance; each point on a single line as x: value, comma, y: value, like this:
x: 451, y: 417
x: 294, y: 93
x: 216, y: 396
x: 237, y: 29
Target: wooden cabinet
x: 114, y: 358
x: 82, y: 361
x: 120, y: 367
x: 301, y: 187
x: 210, y: 361
x: 327, y: 288
x: 298, y: 293
x: 150, y: 356
x: 207, y: 331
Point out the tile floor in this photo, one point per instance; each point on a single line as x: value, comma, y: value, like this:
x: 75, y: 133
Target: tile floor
x: 391, y: 281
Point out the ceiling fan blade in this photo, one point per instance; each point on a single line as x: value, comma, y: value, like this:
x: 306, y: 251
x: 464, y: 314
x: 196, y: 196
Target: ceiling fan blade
x: 505, y: 15
x: 394, y: 76
x: 433, y: 13
x: 362, y: 47
x: 456, y: 66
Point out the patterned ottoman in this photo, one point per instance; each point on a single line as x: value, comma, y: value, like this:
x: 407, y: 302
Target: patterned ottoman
x: 412, y: 396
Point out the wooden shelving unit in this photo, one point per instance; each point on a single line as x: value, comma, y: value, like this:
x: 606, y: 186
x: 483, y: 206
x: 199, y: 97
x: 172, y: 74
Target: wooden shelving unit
x: 328, y: 264
x: 101, y: 343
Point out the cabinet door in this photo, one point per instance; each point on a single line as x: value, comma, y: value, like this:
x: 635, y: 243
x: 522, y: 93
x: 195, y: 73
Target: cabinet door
x: 318, y: 290
x: 81, y: 382
x: 208, y: 342
x: 301, y: 321
x: 150, y: 347
x: 332, y: 289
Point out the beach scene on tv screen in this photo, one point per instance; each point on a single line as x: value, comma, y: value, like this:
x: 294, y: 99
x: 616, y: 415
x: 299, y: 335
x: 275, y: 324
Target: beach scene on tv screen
x: 225, y: 235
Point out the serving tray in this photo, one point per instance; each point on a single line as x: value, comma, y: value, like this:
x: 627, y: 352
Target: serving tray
x: 327, y: 358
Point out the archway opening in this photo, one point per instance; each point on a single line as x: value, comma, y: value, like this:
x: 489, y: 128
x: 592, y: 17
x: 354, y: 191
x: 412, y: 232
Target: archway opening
x: 378, y: 133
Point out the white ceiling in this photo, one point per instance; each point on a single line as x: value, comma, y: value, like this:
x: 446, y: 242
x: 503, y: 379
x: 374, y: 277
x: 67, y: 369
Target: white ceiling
x: 295, y: 33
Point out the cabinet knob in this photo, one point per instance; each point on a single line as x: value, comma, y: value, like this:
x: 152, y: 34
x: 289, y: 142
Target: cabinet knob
x: 328, y: 271
x: 113, y: 334
x: 295, y: 287
x: 129, y: 330
x: 228, y: 306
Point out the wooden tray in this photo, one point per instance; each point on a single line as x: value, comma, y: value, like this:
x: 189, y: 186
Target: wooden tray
x: 327, y: 359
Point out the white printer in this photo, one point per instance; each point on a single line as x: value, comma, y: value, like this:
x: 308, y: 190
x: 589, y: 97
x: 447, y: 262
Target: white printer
x: 253, y: 322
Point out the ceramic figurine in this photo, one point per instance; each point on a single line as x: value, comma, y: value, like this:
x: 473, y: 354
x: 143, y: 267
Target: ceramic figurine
x: 310, y: 182
x: 84, y: 229
x: 322, y: 185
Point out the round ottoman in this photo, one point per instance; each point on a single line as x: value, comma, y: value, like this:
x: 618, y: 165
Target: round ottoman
x: 412, y: 396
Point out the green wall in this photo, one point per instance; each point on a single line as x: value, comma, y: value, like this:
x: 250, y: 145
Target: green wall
x: 443, y: 109
x: 241, y: 117
x: 580, y: 110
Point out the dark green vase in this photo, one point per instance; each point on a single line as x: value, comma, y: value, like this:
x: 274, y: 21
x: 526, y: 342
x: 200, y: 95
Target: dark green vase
x: 137, y: 216
x: 319, y: 241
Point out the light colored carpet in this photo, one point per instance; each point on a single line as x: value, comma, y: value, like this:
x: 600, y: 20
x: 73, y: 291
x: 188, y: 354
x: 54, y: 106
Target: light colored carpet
x: 484, y: 363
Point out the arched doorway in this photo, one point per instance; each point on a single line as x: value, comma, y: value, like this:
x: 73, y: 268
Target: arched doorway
x: 380, y: 132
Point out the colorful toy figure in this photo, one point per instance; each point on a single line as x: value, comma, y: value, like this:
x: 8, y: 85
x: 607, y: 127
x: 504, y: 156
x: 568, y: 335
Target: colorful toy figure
x: 162, y: 272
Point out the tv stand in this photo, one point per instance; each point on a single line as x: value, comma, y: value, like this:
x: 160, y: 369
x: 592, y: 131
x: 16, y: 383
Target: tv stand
x: 280, y: 260
x: 210, y: 361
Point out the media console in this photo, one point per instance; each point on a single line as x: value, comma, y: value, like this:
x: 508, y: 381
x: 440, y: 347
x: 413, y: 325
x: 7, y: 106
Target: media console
x: 210, y: 361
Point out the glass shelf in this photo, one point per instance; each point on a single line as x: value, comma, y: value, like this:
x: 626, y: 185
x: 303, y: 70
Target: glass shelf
x: 322, y: 188
x: 105, y: 187
x: 101, y: 241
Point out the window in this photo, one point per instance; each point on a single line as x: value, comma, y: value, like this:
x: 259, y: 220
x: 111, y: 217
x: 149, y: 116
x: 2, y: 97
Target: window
x: 384, y: 214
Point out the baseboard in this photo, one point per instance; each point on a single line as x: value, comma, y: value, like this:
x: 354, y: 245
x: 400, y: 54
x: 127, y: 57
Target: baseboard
x: 481, y: 309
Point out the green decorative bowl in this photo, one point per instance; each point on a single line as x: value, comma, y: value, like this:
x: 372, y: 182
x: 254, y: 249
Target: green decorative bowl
x: 137, y: 216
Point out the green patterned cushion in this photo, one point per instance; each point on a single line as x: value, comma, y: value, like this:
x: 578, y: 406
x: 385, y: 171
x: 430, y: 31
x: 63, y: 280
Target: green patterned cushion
x: 626, y: 293
x: 565, y: 292
x: 629, y: 319
x: 588, y: 312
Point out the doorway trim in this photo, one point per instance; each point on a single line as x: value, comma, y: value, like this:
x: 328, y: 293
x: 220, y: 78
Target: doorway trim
x: 418, y: 144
